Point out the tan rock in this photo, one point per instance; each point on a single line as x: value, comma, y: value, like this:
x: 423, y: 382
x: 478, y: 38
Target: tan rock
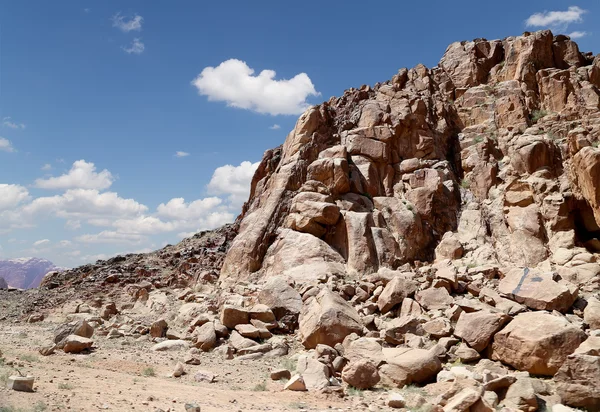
x: 206, y: 336
x: 577, y: 381
x: 405, y: 366
x: 158, y: 329
x: 536, y: 342
x: 586, y: 170
x: 327, y: 319
x: 314, y: 373
x: 478, y: 328
x: 591, y: 313
x: 361, y: 374
x: 76, y: 344
x: 231, y: 316
x: 463, y: 400
x: 434, y: 298
x: 394, y: 293
x: 296, y: 383
x: 537, y: 290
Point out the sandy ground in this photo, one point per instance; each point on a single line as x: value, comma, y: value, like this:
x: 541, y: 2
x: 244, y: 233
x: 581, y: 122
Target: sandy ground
x: 115, y: 377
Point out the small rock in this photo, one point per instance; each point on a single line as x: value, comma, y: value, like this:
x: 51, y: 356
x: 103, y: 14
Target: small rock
x: 396, y: 400
x: 179, y: 370
x: 204, y: 376
x: 48, y: 349
x: 169, y: 345
x: 36, y: 317
x: 296, y: 383
x: 21, y: 383
x: 361, y: 374
x: 279, y: 374
x: 158, y: 329
x: 192, y: 407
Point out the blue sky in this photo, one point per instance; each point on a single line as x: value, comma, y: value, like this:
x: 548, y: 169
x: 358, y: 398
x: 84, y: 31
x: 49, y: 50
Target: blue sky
x: 127, y: 125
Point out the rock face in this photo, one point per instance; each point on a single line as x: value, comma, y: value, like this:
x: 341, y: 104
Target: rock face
x: 327, y: 319
x: 537, y: 342
x: 491, y: 156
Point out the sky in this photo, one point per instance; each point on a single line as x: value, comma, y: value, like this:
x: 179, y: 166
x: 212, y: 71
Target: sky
x: 126, y: 126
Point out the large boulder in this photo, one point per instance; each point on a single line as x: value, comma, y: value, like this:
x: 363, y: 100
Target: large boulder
x: 394, y: 293
x: 361, y: 374
x: 577, y: 381
x: 405, y: 366
x: 536, y: 342
x: 478, y: 328
x: 283, y: 300
x: 591, y: 313
x: 586, y: 170
x: 328, y: 319
x: 537, y: 290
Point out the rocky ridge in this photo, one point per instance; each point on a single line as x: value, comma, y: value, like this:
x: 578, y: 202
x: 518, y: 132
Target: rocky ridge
x: 440, y: 229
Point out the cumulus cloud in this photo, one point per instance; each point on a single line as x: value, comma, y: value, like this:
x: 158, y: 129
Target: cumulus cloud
x: 178, y: 209
x: 46, y: 167
x: 6, y: 145
x: 41, y: 242
x: 127, y: 24
x: 556, y: 19
x: 181, y: 154
x: 577, y: 34
x: 7, y: 122
x: 233, y: 181
x: 275, y: 127
x: 77, y: 204
x: 136, y: 47
x: 82, y: 175
x: 108, y: 236
x: 12, y: 195
x: 234, y: 82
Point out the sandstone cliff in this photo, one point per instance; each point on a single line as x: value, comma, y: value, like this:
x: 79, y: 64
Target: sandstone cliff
x: 490, y: 157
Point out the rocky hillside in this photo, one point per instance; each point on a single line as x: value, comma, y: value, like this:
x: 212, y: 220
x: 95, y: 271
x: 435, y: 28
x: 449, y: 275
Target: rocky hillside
x: 436, y: 236
x: 25, y: 273
x: 490, y: 157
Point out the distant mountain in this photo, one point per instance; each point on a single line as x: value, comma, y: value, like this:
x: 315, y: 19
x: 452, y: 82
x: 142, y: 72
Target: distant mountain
x: 25, y: 273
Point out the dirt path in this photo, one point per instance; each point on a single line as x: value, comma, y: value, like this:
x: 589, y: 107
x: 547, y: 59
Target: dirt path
x: 117, y: 376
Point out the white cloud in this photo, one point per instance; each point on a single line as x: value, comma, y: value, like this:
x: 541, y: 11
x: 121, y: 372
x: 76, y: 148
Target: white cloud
x: 275, y: 127
x: 12, y: 195
x: 233, y: 181
x: 233, y: 82
x: 46, y: 167
x: 77, y: 204
x: 181, y: 154
x: 136, y: 47
x: 73, y: 224
x: 180, y: 210
x: 82, y: 175
x: 65, y: 243
x: 577, y: 34
x: 41, y: 242
x: 7, y: 122
x: 556, y: 18
x: 87, y: 10
x: 6, y: 145
x: 108, y: 236
x: 126, y: 25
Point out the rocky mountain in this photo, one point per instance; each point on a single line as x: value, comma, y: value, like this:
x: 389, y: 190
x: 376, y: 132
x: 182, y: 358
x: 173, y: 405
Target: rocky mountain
x: 26, y: 272
x: 439, y: 229
x: 491, y: 157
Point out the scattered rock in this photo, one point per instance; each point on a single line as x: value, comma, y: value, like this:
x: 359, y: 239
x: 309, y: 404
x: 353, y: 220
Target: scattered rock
x: 76, y: 344
x: 296, y: 383
x: 171, y: 345
x: 537, y: 342
x: 361, y: 374
x: 21, y: 383
x: 279, y: 374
